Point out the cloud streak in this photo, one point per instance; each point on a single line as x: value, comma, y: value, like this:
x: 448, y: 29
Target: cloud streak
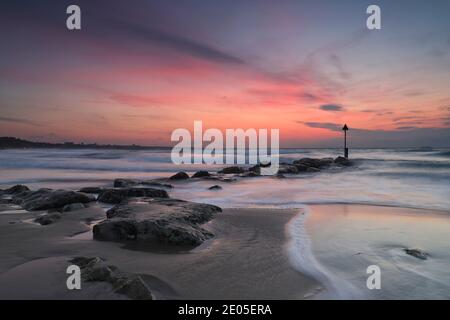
x: 331, y: 107
x: 20, y: 121
x: 176, y: 42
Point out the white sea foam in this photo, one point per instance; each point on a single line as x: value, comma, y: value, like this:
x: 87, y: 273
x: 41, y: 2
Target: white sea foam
x: 299, y: 249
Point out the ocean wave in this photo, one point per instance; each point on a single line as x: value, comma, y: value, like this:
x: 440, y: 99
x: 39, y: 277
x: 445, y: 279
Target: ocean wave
x: 301, y: 257
x: 442, y: 153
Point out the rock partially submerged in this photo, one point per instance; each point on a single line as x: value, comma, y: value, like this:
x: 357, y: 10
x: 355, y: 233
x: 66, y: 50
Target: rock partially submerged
x: 116, y: 196
x: 314, y: 163
x: 215, y: 187
x: 417, y: 253
x: 44, y: 199
x: 160, y: 220
x: 48, y: 218
x: 73, y: 207
x: 233, y: 169
x: 19, y: 188
x: 342, y: 161
x: 201, y: 174
x: 287, y: 168
x: 126, y: 183
x: 180, y: 176
x: 90, y: 190
x: 94, y: 269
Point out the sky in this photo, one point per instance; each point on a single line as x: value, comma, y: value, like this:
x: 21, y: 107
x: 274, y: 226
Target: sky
x: 138, y: 70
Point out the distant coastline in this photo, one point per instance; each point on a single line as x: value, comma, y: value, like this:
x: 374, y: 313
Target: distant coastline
x: 16, y: 143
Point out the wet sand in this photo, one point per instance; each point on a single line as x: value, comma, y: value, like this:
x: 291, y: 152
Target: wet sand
x: 246, y: 260
x: 346, y: 239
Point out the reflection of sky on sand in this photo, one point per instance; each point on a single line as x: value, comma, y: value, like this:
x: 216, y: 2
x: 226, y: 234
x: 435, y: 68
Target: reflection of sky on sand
x: 348, y: 238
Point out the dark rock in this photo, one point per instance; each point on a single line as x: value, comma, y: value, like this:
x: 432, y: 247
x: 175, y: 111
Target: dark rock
x: 180, y: 176
x: 161, y: 220
x: 147, y: 192
x: 342, y: 161
x: 301, y: 167
x: 45, y: 199
x: 250, y: 174
x: 283, y: 169
x: 73, y: 207
x: 30, y: 195
x: 419, y: 254
x: 133, y: 287
x: 19, y: 188
x: 116, y: 196
x: 215, y: 187
x: 201, y: 174
x: 314, y: 163
x: 125, y: 183
x: 157, y: 184
x: 5, y: 201
x: 113, y: 196
x: 90, y: 190
x: 128, y: 284
x: 230, y: 170
x: 48, y: 218
x: 256, y: 169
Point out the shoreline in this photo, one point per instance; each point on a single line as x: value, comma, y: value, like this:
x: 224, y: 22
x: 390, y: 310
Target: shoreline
x: 283, y: 251
x: 347, y: 239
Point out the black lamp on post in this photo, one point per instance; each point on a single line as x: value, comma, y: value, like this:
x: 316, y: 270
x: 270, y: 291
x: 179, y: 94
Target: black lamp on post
x: 345, y: 128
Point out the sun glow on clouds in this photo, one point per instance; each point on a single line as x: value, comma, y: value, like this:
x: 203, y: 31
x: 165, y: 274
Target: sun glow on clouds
x: 123, y: 81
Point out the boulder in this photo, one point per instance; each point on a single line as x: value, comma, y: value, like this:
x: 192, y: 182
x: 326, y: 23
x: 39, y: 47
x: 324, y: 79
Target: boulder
x: 314, y: 163
x: 90, y: 190
x: 417, y: 253
x: 180, y: 176
x: 45, y: 199
x: 287, y: 168
x: 115, y: 196
x: 146, y: 192
x: 342, y: 161
x: 233, y: 169
x: 73, y: 207
x: 201, y: 174
x: 19, y: 188
x: 125, y: 183
x: 112, y: 196
x: 168, y: 221
x: 250, y: 174
x: 215, y: 187
x: 48, y: 218
x: 96, y: 270
x: 301, y: 167
x: 157, y: 184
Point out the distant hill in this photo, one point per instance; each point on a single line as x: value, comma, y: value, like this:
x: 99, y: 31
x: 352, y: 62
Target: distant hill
x: 16, y: 143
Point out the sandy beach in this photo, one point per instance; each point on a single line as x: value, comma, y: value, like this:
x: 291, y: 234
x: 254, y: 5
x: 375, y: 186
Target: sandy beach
x: 246, y: 259
x: 317, y: 252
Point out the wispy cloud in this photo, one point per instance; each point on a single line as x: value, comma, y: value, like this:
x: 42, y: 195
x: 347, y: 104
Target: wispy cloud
x: 175, y: 42
x: 20, y: 121
x: 322, y: 125
x: 331, y: 107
